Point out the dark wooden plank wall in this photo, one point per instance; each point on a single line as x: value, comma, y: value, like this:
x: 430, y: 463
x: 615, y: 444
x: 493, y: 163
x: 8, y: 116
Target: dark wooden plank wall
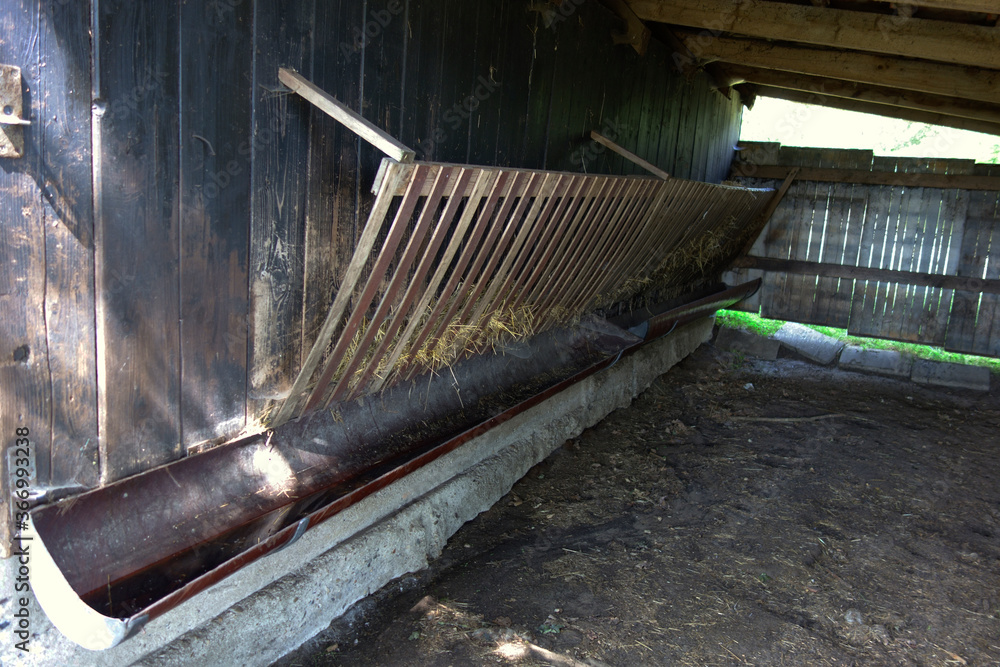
x: 893, y: 227
x: 25, y: 388
x: 65, y: 119
x: 171, y: 303
x: 138, y: 235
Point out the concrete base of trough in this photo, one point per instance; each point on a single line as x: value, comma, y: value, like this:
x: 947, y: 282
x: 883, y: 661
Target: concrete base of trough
x: 275, y: 604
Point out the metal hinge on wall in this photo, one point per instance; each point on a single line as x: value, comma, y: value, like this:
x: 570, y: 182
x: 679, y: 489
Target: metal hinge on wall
x: 11, y: 122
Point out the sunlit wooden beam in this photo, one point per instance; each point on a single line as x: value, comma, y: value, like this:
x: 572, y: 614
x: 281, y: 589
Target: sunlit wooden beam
x: 896, y: 35
x: 949, y: 80
x: 908, y: 99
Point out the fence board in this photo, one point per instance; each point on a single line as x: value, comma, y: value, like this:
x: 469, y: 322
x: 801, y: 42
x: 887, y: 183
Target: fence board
x: 833, y: 303
x: 881, y: 214
x: 968, y: 328
x: 883, y: 223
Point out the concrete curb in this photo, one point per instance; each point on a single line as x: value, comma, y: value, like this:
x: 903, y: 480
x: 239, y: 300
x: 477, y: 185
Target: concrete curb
x: 944, y: 374
x: 274, y: 605
x: 824, y: 350
x: 890, y: 363
x: 809, y: 343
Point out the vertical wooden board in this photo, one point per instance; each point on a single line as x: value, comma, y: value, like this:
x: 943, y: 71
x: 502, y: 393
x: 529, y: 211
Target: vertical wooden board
x: 457, y: 78
x: 795, y: 299
x: 779, y: 242
x: 487, y: 88
x: 603, y: 66
x: 774, y: 240
x: 560, y: 139
x: 612, y: 120
x: 334, y: 187
x: 542, y: 80
x: 514, y: 68
x: 64, y: 120
x: 670, y: 114
x: 945, y: 259
x: 283, y: 38
x: 383, y: 80
x: 658, y: 111
x: 927, y: 319
x: 987, y: 335
x: 969, y: 317
x: 25, y: 395
x: 735, y: 128
x: 899, y: 322
x: 138, y: 226
x: 575, y: 107
x: 879, y: 215
x: 422, y: 102
x: 702, y: 123
x: 721, y: 150
x: 648, y: 140
x: 712, y: 134
x: 215, y: 152
x: 833, y: 303
x: 686, y: 130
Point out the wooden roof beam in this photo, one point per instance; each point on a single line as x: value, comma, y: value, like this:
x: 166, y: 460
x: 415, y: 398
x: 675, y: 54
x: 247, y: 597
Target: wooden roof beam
x: 880, y: 109
x: 957, y: 43
x: 979, y: 6
x: 908, y: 99
x: 948, y: 80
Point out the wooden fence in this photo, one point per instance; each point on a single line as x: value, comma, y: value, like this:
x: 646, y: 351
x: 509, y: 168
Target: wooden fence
x: 877, y: 246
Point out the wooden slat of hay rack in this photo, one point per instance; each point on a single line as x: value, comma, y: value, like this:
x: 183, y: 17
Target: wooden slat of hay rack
x: 475, y: 256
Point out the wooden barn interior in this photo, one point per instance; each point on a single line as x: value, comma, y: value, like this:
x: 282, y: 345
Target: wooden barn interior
x: 224, y: 223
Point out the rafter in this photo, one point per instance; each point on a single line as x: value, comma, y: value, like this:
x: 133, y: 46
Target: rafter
x: 980, y: 6
x: 949, y: 80
x: 826, y: 87
x: 957, y: 43
x: 880, y: 110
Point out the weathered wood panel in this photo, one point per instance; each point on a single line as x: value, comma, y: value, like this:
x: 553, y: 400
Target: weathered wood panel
x: 283, y: 37
x: 334, y: 184
x: 215, y: 151
x: 137, y: 236
x: 24, y: 379
x: 893, y: 228
x: 64, y: 118
x: 975, y: 318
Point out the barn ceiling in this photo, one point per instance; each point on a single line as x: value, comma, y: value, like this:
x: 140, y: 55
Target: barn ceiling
x: 935, y: 61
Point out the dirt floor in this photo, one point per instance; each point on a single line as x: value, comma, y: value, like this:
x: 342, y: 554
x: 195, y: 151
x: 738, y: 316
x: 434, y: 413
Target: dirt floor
x: 738, y: 513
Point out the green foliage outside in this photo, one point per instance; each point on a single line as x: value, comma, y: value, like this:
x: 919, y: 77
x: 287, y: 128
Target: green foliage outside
x: 766, y: 327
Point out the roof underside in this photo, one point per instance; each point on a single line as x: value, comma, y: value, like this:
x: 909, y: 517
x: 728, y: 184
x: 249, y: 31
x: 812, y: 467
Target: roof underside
x: 933, y: 61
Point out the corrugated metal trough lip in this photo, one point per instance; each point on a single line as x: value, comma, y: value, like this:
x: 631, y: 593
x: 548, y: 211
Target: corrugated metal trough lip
x: 65, y: 544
